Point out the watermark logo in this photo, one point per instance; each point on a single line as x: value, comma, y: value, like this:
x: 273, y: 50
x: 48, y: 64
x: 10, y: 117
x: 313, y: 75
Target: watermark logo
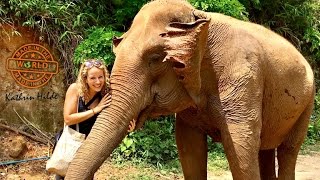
x: 32, y: 66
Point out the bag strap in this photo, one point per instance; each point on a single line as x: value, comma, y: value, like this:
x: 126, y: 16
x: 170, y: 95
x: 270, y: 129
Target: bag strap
x: 64, y: 125
x: 77, y: 125
x: 86, y: 105
x: 92, y: 100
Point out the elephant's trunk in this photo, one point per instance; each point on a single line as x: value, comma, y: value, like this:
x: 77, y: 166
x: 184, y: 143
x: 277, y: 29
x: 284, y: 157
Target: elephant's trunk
x: 108, y: 131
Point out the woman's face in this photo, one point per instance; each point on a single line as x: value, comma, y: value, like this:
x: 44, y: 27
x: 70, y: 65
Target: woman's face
x: 95, y: 79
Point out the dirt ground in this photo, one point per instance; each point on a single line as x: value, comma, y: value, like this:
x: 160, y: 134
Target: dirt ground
x: 308, y: 166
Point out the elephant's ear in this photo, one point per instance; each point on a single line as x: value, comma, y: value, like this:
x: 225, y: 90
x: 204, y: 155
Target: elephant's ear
x: 185, y: 45
x: 115, y: 42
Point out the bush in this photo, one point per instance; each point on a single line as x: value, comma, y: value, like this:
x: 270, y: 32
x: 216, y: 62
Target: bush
x: 154, y: 144
x: 228, y: 7
x: 98, y: 44
x: 313, y: 134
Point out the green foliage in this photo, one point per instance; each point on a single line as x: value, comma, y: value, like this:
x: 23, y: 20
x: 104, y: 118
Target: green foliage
x: 312, y: 36
x: 304, y: 23
x: 65, y: 23
x: 125, y: 11
x: 60, y: 23
x: 47, y: 15
x: 154, y: 144
x: 296, y: 20
x: 251, y: 4
x: 313, y: 134
x: 228, y: 7
x: 216, y: 158
x: 316, y: 114
x: 112, y: 18
x: 98, y: 44
x: 114, y: 14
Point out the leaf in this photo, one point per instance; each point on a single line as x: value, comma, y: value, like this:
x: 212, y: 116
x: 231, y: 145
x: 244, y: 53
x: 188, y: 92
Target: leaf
x: 128, y: 142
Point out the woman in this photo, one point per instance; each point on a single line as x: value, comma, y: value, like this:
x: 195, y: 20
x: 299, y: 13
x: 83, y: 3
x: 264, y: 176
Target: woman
x: 87, y: 97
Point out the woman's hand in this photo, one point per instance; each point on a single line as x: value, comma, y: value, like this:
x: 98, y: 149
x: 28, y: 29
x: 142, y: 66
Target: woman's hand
x: 105, y: 102
x: 132, y: 125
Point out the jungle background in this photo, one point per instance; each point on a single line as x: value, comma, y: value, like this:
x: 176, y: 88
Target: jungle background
x: 81, y: 29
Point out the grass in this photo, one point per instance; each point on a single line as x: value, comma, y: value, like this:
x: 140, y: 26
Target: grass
x: 139, y: 170
x: 217, y: 163
x: 217, y: 166
x: 129, y: 170
x: 309, y: 148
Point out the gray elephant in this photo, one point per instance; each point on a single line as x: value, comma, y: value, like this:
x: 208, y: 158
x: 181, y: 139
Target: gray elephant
x: 232, y: 80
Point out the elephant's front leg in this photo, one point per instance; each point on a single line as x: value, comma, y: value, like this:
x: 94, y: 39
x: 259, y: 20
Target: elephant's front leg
x: 241, y: 143
x: 192, y: 148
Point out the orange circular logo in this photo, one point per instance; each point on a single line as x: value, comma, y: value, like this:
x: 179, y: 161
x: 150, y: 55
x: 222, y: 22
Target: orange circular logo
x: 32, y: 66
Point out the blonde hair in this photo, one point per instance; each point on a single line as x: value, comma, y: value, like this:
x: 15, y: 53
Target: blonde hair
x: 83, y: 87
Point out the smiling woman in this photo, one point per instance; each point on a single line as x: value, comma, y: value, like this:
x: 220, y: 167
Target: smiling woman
x: 87, y: 97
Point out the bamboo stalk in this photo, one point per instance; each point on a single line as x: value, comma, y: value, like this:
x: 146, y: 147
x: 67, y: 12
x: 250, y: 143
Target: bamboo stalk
x: 28, y: 123
x: 36, y: 138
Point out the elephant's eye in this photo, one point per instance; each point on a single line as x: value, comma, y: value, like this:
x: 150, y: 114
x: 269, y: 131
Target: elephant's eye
x: 155, y: 57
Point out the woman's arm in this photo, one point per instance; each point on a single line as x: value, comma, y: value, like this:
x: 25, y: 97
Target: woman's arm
x: 70, y: 110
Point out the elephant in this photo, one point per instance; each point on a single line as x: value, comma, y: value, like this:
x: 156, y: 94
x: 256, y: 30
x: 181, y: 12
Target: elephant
x: 232, y: 80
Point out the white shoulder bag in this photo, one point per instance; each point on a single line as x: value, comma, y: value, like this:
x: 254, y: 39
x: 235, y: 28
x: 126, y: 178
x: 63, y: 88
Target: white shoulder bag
x: 65, y: 150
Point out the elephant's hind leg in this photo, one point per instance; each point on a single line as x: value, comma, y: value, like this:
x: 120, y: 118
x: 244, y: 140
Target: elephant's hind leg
x: 192, y: 148
x: 288, y: 151
x: 267, y: 164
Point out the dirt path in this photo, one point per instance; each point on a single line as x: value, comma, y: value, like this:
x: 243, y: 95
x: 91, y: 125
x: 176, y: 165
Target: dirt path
x: 308, y: 167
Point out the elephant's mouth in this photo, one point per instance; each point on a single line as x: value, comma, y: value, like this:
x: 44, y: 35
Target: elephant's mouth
x: 145, y: 113
x: 142, y: 117
x: 150, y: 112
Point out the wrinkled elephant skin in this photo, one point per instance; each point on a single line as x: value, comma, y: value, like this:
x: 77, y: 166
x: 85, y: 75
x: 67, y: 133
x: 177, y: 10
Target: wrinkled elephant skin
x: 235, y: 81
